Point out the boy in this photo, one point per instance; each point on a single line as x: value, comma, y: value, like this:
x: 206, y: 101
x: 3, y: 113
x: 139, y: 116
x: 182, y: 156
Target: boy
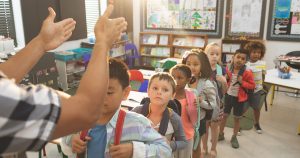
x: 138, y: 138
x: 258, y: 67
x: 239, y: 83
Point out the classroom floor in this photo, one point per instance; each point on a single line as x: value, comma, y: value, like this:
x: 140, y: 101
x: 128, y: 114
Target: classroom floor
x: 279, y: 138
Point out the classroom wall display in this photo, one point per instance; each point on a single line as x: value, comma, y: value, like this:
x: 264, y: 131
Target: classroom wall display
x: 284, y: 20
x: 183, y: 16
x: 245, y: 18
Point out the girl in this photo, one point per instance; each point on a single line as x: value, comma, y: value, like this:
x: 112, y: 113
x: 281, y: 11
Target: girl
x: 161, y: 90
x: 213, y: 52
x: 189, y: 112
x: 198, y: 62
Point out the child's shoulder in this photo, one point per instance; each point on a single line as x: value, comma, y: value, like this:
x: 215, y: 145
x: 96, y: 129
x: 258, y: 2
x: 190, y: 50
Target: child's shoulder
x: 136, y: 118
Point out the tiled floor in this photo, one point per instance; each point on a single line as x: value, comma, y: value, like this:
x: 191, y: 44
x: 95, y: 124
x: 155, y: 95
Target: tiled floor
x: 279, y: 138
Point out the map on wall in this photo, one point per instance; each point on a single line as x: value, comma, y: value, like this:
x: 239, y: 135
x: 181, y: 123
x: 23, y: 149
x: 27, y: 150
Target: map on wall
x: 182, y: 14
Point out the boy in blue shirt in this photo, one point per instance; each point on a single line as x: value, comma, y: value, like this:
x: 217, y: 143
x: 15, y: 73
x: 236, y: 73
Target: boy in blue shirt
x: 138, y: 138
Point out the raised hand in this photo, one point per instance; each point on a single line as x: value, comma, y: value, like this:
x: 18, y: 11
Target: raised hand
x: 107, y: 31
x: 54, y: 34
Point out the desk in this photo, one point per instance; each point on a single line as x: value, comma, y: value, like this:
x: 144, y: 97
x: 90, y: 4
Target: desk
x: 133, y: 100
x: 147, y: 73
x: 273, y: 79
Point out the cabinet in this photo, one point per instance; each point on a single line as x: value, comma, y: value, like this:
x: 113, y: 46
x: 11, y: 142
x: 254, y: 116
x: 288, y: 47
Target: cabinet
x: 155, y: 46
x: 229, y: 46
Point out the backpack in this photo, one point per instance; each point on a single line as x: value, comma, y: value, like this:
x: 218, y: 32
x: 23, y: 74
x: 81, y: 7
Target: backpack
x: 166, y: 114
x: 118, y: 131
x: 193, y: 113
x: 216, y: 108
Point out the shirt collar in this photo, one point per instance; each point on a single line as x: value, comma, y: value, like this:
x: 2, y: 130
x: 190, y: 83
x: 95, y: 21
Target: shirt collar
x: 113, y: 120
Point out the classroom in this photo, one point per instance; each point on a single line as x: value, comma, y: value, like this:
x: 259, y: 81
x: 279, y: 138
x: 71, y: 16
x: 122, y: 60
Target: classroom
x: 150, y: 78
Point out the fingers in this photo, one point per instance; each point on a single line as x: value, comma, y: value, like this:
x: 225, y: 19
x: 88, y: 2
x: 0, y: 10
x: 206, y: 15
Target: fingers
x: 51, y: 15
x: 108, y: 11
x: 67, y: 23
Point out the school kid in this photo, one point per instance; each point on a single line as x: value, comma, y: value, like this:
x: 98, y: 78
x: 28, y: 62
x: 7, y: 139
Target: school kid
x: 213, y: 52
x: 240, y: 81
x: 198, y: 62
x: 138, y: 138
x: 258, y: 66
x: 189, y: 112
x: 161, y: 89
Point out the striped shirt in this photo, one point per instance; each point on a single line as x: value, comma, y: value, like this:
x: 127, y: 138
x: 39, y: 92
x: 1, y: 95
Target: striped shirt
x: 28, y: 116
x: 136, y: 129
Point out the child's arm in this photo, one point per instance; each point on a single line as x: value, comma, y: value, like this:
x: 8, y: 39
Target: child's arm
x: 210, y: 94
x: 150, y: 143
x: 72, y: 144
x: 247, y: 81
x: 180, y: 141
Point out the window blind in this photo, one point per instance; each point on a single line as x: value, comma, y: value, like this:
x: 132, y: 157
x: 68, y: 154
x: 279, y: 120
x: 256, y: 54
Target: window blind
x: 7, y: 26
x: 92, y: 11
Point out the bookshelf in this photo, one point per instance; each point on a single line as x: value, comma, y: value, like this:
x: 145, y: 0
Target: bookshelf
x: 229, y: 46
x: 155, y: 46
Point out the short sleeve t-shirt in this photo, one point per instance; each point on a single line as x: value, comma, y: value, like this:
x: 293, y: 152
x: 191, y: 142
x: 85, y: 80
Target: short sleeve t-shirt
x: 257, y: 69
x: 96, y: 146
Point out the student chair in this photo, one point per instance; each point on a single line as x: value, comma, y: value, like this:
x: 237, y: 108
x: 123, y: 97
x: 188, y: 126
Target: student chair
x: 134, y: 54
x: 136, y: 79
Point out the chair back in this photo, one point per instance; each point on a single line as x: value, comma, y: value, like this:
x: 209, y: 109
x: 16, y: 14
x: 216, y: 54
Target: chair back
x: 136, y: 79
x: 168, y: 65
x: 130, y: 57
x: 292, y: 65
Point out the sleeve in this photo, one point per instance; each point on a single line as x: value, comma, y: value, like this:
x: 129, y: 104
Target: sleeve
x: 36, y: 109
x: 248, y: 80
x: 180, y: 141
x: 153, y: 145
x: 209, y: 97
x: 66, y: 146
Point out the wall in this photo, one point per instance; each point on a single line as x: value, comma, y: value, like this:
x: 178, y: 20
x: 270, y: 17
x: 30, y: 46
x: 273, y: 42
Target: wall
x: 274, y: 48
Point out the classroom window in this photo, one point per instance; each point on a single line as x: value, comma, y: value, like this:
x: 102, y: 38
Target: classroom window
x: 92, y: 11
x: 7, y: 25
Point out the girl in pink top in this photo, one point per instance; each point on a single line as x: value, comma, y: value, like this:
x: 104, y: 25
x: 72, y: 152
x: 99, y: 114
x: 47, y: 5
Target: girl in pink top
x: 182, y: 75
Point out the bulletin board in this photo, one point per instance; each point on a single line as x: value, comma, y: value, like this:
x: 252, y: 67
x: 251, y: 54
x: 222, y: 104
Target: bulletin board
x: 284, y: 20
x: 245, y: 18
x: 183, y: 16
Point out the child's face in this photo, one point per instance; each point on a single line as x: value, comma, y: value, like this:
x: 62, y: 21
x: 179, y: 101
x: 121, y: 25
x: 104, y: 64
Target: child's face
x: 180, y: 78
x: 194, y: 64
x: 160, y: 92
x: 214, y: 55
x: 255, y: 55
x: 239, y: 60
x: 115, y: 95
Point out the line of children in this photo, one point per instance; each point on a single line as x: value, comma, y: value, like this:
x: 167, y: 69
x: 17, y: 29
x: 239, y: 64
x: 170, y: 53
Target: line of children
x: 161, y: 90
x: 240, y: 80
x: 138, y: 138
x: 258, y: 67
x: 213, y: 52
x: 198, y: 62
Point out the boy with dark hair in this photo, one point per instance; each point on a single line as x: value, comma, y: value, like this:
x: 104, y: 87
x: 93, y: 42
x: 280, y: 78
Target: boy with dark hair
x: 138, y: 138
x: 239, y: 80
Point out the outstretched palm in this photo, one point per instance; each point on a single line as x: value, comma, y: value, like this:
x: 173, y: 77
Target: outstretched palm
x: 54, y: 34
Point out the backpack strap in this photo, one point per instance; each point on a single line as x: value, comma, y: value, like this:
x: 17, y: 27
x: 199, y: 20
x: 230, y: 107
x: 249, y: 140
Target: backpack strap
x: 119, y: 126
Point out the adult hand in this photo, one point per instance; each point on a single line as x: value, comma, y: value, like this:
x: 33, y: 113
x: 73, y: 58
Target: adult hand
x: 107, y: 31
x: 121, y: 151
x: 78, y: 145
x: 54, y: 34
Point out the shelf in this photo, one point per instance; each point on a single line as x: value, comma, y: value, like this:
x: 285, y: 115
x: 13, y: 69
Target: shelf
x: 155, y: 45
x: 154, y: 56
x: 187, y: 47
